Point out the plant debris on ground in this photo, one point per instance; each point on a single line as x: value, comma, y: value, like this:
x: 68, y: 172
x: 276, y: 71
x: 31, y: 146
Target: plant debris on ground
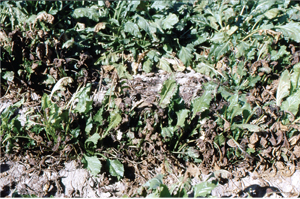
x: 141, y: 90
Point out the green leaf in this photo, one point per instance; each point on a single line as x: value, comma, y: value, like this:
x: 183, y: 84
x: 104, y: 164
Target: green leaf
x: 98, y: 116
x: 218, y: 37
x: 90, y: 13
x: 275, y: 55
x: 145, y: 25
x: 202, y: 103
x: 155, y: 182
x: 89, y: 125
x: 50, y: 80
x: 241, y: 49
x: 168, y: 90
x: 207, y: 69
x: 132, y: 28
x: 147, y: 66
x: 46, y: 102
x: 203, y: 189
x: 93, y: 164
x: 170, y: 21
x: 94, y: 138
x: 270, y: 14
x: 9, y: 76
x: 290, y: 30
x: 182, y: 193
x: 217, y: 50
x: 185, y: 54
x: 116, y: 168
x: 292, y: 103
x: 167, y: 132
x: 19, y: 103
x: 250, y: 127
x: 262, y: 7
x: 213, y: 22
x: 85, y: 102
x: 114, y: 120
x: 164, y: 65
x: 238, y: 104
x: 164, y: 192
x: 160, y: 5
x: 295, y: 77
x: 122, y: 71
x: 283, y: 89
x: 219, y: 139
x: 193, y: 153
x: 181, y: 116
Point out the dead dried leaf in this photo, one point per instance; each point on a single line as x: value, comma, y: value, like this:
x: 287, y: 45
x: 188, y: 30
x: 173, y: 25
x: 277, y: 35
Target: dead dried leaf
x: 293, y: 140
x: 100, y: 26
x: 221, y: 173
x: 118, y: 101
x: 226, y: 125
x: 283, y: 127
x: 253, y: 138
x: 34, y: 66
x: 44, y: 16
x: 279, y: 136
x: 280, y: 165
x: 252, y: 146
x: 108, y: 68
x: 272, y: 140
x: 192, y: 171
x: 297, y: 151
x: 135, y: 66
x: 266, y: 152
x: 263, y: 142
x: 231, y: 143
